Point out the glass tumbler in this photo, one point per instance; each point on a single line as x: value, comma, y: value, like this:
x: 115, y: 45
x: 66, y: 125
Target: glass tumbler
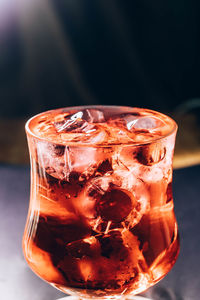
x: 101, y: 222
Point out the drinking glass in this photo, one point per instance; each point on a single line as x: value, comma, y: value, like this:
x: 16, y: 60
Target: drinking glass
x: 101, y: 222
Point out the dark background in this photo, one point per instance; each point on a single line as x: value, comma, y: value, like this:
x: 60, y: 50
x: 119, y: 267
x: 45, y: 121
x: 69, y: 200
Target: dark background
x: 57, y: 53
x: 72, y: 52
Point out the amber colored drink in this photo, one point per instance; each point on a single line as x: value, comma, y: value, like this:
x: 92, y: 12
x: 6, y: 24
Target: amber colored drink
x: 101, y: 217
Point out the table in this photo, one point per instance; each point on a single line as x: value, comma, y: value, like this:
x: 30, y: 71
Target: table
x: 18, y: 282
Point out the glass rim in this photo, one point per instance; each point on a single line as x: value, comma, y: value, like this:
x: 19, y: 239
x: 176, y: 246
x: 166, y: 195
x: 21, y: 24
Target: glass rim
x: 81, y: 144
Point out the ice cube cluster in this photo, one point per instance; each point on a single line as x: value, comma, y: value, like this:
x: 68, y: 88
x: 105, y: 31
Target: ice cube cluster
x: 100, y: 171
x: 116, y: 180
x: 101, y: 125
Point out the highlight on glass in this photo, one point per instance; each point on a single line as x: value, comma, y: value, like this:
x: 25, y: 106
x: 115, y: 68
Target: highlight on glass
x: 101, y: 220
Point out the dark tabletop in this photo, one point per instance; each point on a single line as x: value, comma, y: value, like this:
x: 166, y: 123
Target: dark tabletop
x: 18, y: 282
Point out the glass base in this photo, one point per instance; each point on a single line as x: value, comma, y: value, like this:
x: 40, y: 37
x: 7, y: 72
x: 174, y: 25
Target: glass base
x: 127, y: 298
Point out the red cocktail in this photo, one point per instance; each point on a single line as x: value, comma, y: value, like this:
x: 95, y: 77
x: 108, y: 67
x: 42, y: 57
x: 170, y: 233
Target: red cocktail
x: 101, y: 219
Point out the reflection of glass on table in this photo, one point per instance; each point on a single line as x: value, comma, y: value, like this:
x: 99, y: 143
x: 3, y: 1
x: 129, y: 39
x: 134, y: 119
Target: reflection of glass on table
x: 101, y: 222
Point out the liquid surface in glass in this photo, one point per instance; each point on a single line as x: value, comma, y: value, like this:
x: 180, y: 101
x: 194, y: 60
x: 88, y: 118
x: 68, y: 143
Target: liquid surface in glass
x: 101, y: 216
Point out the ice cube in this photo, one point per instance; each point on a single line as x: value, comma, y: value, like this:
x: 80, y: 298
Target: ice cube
x: 125, y: 158
x: 115, y: 200
x: 130, y: 120
x: 133, y: 128
x: 89, y: 160
x: 115, y: 264
x: 111, y: 261
x: 151, y: 154
x: 95, y: 136
x: 124, y: 178
x: 58, y: 150
x: 56, y: 191
x: 115, y: 205
x: 92, y: 115
x: 105, y: 166
x: 76, y: 264
x: 80, y: 121
x: 73, y: 123
x: 60, y: 161
x: 122, y: 121
x: 94, y: 189
x: 50, y: 229
x: 69, y: 268
x: 90, y: 134
x: 146, y: 123
x: 52, y: 159
x: 136, y: 121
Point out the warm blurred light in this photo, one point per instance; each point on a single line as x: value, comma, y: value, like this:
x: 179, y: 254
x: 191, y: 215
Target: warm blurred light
x: 6, y: 7
x: 9, y: 15
x: 11, y: 10
x: 43, y: 40
x: 4, y: 4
